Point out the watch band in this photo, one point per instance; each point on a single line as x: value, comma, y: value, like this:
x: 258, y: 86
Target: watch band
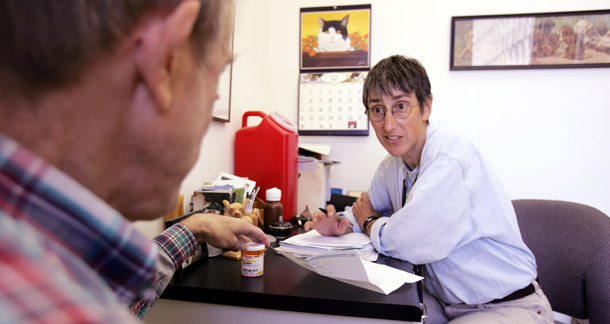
x: 368, y: 221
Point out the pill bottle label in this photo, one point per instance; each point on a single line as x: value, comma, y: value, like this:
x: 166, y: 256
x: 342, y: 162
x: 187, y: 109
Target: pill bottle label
x: 253, y: 261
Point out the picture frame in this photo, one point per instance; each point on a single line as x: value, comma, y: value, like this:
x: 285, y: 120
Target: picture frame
x: 336, y: 37
x: 222, y: 106
x: 576, y: 39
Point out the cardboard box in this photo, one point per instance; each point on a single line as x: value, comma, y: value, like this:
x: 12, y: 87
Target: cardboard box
x: 313, y: 183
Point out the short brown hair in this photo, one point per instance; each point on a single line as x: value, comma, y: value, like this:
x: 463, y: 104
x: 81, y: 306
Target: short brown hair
x: 48, y: 44
x: 397, y: 72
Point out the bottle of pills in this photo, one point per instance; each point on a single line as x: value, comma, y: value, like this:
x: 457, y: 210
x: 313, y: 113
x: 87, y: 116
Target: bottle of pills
x: 274, y: 211
x: 253, y: 260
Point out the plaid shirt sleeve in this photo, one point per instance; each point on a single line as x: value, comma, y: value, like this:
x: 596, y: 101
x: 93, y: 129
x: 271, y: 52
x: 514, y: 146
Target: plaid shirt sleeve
x: 175, y: 245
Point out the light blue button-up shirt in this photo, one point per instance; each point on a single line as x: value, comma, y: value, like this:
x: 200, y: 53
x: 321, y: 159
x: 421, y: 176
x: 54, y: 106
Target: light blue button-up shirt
x: 457, y: 219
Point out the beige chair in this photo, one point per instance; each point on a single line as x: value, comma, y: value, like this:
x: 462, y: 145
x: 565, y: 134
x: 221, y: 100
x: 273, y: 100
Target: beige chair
x: 571, y: 243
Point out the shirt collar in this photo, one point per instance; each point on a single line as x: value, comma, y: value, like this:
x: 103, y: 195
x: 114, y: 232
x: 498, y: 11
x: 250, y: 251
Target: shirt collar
x: 69, y: 214
x: 410, y: 175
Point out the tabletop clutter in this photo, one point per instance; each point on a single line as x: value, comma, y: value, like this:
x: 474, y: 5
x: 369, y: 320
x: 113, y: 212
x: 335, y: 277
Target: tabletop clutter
x: 274, y: 216
x: 240, y: 197
x: 347, y: 258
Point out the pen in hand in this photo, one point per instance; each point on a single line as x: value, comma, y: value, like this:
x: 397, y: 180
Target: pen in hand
x: 338, y: 218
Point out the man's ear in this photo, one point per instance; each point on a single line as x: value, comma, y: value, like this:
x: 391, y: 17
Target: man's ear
x: 156, y: 46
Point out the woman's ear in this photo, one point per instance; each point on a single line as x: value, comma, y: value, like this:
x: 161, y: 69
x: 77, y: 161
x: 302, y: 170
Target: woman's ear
x: 157, y: 43
x: 427, y: 108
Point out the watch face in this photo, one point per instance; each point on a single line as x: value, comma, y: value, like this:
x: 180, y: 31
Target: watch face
x: 366, y: 223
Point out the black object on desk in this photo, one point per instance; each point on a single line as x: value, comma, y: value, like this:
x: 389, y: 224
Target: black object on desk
x: 287, y: 286
x: 341, y: 201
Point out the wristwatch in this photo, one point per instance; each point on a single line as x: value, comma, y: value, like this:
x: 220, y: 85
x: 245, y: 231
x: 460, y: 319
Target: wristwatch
x: 368, y: 221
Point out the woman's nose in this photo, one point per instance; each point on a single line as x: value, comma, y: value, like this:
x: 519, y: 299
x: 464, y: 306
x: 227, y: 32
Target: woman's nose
x: 389, y: 121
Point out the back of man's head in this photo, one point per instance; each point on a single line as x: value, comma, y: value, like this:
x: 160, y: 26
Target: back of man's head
x: 47, y: 45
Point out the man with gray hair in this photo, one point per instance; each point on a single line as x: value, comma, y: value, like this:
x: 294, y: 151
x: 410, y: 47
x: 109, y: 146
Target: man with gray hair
x: 103, y: 107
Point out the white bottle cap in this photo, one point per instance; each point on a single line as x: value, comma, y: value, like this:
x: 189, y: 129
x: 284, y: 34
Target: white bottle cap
x: 254, y: 246
x: 274, y: 194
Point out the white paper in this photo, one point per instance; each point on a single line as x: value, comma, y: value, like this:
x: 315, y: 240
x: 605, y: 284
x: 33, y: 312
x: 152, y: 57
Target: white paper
x: 349, y: 268
x: 314, y: 238
x: 235, y: 181
x: 313, y: 243
x: 367, y: 253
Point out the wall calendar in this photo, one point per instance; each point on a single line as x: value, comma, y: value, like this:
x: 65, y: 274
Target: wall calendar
x: 330, y: 103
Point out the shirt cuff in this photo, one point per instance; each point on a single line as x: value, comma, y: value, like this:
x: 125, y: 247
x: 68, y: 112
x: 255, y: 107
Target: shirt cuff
x: 177, y: 242
x: 376, y: 233
x: 175, y: 245
x: 350, y: 216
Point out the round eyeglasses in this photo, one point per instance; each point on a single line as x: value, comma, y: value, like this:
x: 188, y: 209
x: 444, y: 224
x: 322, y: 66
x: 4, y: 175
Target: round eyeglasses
x: 400, y: 111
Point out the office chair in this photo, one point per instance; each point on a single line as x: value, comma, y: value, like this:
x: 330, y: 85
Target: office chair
x: 571, y: 243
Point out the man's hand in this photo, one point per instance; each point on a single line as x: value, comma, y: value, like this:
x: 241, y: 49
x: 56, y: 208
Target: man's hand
x: 329, y: 224
x: 362, y: 209
x: 224, y: 232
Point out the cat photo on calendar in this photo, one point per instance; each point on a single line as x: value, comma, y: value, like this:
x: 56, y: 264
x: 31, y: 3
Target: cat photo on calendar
x: 335, y: 37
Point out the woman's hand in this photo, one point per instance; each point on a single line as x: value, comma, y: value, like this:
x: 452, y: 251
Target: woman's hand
x: 362, y: 209
x: 329, y: 224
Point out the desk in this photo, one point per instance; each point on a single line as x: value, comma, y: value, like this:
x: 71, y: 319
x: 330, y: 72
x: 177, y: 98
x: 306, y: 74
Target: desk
x: 287, y: 286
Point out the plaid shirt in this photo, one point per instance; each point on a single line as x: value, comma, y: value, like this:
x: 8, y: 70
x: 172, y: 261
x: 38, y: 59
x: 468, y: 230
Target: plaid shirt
x: 66, y: 256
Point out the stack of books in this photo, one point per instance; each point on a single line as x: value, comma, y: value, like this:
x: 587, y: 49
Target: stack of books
x: 313, y: 243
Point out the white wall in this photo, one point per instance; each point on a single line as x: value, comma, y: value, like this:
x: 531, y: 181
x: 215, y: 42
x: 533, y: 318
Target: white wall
x: 546, y: 131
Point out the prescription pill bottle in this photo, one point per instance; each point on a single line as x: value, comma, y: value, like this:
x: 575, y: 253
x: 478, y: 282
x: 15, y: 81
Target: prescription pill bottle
x: 253, y: 260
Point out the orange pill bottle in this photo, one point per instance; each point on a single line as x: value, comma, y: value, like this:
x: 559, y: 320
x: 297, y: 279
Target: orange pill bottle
x: 253, y: 260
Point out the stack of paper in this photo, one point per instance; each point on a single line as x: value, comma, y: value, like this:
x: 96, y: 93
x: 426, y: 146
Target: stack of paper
x: 243, y: 186
x: 313, y: 243
x: 232, y: 188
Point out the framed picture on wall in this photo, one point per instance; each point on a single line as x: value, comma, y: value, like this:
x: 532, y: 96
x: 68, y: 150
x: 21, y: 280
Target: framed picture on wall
x: 222, y: 107
x: 526, y: 41
x: 335, y: 37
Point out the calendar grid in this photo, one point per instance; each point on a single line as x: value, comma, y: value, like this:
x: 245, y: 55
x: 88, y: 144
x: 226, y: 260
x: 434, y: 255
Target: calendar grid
x: 330, y: 103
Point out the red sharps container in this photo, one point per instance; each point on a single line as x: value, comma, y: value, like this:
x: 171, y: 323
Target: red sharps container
x: 268, y: 154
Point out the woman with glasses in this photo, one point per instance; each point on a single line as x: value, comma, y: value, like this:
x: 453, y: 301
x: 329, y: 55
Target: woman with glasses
x: 435, y: 201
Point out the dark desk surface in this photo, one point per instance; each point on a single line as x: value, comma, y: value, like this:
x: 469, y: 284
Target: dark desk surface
x: 287, y: 286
